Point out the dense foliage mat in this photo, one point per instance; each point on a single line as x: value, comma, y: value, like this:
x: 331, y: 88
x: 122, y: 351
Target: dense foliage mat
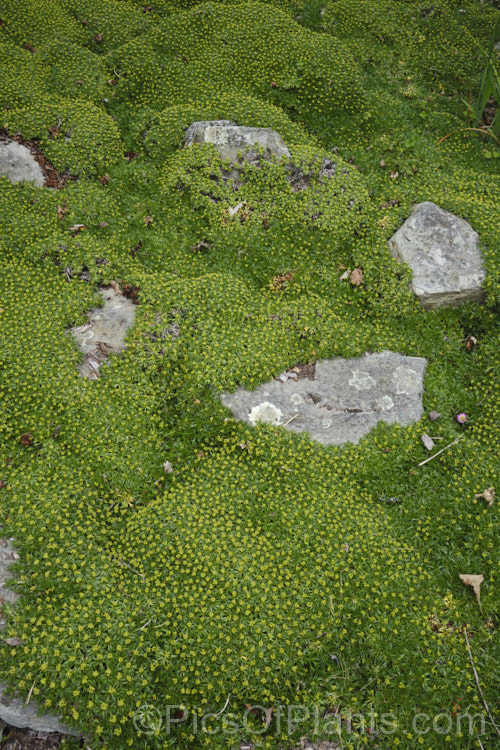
x: 319, y: 584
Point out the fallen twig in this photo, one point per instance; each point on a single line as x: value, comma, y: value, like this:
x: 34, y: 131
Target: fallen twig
x: 290, y: 420
x: 224, y: 708
x: 442, y: 449
x: 477, y: 682
x: 30, y: 693
x: 461, y: 130
x: 126, y: 565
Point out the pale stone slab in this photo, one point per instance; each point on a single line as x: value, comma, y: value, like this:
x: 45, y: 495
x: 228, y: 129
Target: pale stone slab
x: 229, y: 139
x: 344, y: 401
x: 443, y: 253
x: 18, y: 164
x: 105, y: 331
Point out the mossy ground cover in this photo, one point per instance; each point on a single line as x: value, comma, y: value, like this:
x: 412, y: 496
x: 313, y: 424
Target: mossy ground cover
x: 265, y: 569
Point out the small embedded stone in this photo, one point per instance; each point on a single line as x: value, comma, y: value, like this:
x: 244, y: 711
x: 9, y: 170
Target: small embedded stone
x: 443, y: 253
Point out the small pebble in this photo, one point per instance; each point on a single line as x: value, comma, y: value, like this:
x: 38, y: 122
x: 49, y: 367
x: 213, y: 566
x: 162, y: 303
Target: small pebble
x: 428, y: 441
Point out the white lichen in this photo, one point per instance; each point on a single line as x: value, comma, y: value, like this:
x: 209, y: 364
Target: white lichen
x: 265, y: 412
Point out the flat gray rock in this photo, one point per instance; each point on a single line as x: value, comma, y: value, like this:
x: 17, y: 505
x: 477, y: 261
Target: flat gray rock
x: 104, y: 332
x: 229, y: 138
x: 13, y: 710
x: 443, y: 252
x: 18, y: 164
x: 344, y: 401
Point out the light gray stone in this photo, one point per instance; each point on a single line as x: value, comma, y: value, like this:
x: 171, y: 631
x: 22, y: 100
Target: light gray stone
x: 229, y: 139
x: 13, y: 710
x: 443, y: 253
x: 8, y: 556
x: 18, y: 164
x: 105, y: 331
x: 16, y: 713
x: 344, y: 401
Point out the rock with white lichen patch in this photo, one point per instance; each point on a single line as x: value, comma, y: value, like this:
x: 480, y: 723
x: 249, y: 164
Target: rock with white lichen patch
x: 344, y: 401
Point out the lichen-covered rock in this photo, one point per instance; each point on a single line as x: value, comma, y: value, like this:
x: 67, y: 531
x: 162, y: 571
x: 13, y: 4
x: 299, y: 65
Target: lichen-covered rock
x: 344, y: 401
x: 443, y: 252
x: 230, y: 139
x: 18, y: 164
x: 105, y: 331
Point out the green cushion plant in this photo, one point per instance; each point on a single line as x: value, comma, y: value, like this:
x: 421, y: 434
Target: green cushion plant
x: 263, y: 569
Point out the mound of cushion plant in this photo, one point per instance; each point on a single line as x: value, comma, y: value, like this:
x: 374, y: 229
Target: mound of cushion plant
x: 186, y: 579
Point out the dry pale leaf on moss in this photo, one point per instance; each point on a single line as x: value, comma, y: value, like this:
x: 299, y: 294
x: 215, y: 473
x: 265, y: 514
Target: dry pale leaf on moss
x: 201, y: 244
x: 356, y: 277
x: 488, y: 495
x: 475, y: 582
x: 114, y: 285
x: 13, y: 641
x: 345, y: 275
x: 76, y: 228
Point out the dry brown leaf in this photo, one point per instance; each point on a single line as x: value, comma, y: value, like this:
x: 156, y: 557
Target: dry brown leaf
x: 356, y: 277
x: 475, y: 582
x: 470, y: 342
x: 278, y: 282
x: 488, y: 495
x: 115, y: 286
x: 148, y: 220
